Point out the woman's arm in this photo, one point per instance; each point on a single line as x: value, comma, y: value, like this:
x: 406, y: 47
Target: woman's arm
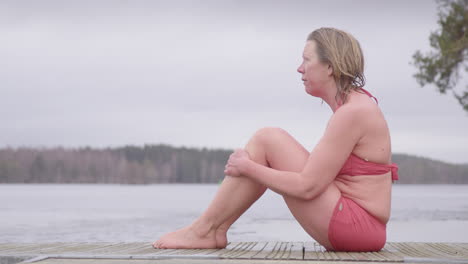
x: 324, y: 163
x: 282, y: 182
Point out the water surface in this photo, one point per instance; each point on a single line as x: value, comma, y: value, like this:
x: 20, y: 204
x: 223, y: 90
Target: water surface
x: 131, y: 213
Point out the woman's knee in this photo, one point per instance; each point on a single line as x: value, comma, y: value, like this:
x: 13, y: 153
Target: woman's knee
x: 265, y: 134
x: 258, y: 143
x: 282, y: 151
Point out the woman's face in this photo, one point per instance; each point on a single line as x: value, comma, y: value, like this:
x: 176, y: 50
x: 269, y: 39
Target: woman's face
x: 314, y: 73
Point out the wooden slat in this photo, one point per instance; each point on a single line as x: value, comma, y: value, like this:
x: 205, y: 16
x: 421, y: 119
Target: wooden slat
x: 266, y: 250
x: 37, y: 248
x: 67, y: 248
x: 310, y: 252
x: 463, y: 248
x: 314, y: 251
x: 233, y: 247
x: 406, y: 250
x: 105, y: 248
x: 273, y: 250
x: 449, y: 250
x: 277, y: 251
x: 252, y: 252
x: 390, y: 255
x: 21, y: 247
x: 293, y: 251
x: 9, y: 246
x: 277, y: 248
x: 239, y: 250
x: 463, y: 245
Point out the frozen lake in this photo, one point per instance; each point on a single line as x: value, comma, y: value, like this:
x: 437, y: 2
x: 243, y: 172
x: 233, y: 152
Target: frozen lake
x: 131, y: 213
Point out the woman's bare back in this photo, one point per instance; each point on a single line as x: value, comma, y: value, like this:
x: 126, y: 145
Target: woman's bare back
x: 372, y: 192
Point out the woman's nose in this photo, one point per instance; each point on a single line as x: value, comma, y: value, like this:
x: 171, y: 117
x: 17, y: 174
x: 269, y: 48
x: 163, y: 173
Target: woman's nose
x: 300, y: 69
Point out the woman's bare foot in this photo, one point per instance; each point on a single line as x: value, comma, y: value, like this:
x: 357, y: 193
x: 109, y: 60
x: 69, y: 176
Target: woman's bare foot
x: 190, y: 237
x: 221, y: 238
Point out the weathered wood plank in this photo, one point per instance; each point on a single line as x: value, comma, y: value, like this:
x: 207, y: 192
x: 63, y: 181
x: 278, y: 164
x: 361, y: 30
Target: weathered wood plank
x: 393, y: 252
x: 238, y: 249
x: 294, y: 250
x: 38, y: 248
x: 252, y: 252
x: 265, y: 251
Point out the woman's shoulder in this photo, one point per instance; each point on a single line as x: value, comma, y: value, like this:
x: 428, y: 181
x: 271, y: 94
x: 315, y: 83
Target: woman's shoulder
x: 356, y: 109
x: 361, y: 108
x: 349, y: 117
x: 363, y: 115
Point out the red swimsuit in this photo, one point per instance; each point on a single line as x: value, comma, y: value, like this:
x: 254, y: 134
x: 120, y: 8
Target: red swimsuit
x: 351, y: 227
x: 358, y: 166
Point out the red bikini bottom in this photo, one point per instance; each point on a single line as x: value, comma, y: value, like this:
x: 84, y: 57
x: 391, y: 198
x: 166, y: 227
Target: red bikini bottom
x: 352, y: 228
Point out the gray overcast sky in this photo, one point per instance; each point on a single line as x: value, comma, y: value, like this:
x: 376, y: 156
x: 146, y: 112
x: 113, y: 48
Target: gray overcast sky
x: 207, y: 73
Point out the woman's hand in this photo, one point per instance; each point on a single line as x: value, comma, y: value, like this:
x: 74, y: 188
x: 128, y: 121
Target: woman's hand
x: 237, y: 163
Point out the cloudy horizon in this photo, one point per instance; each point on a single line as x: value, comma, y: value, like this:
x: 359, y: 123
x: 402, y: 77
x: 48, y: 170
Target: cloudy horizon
x: 115, y: 73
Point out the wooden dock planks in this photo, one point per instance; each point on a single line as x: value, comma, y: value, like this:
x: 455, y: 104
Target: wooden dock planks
x: 393, y: 252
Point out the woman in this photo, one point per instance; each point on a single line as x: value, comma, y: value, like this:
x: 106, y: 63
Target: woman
x: 341, y: 191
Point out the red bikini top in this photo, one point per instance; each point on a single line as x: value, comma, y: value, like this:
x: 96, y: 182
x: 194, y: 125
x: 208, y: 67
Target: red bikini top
x: 355, y: 165
x: 358, y: 166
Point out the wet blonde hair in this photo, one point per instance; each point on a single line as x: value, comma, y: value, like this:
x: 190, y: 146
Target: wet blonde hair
x: 343, y: 52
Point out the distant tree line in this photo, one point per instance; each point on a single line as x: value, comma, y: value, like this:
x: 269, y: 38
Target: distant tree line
x: 162, y: 163
x: 124, y: 165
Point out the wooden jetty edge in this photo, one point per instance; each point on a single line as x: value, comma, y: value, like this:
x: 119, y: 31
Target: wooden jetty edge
x: 235, y: 252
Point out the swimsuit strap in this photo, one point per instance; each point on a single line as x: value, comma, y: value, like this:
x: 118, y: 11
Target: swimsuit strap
x: 370, y: 94
x: 365, y: 91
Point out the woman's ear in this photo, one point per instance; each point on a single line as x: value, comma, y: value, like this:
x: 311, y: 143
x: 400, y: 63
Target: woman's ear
x: 330, y: 70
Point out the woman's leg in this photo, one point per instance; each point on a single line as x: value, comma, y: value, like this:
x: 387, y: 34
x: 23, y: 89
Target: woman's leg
x: 233, y: 198
x: 285, y: 153
x: 273, y: 147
